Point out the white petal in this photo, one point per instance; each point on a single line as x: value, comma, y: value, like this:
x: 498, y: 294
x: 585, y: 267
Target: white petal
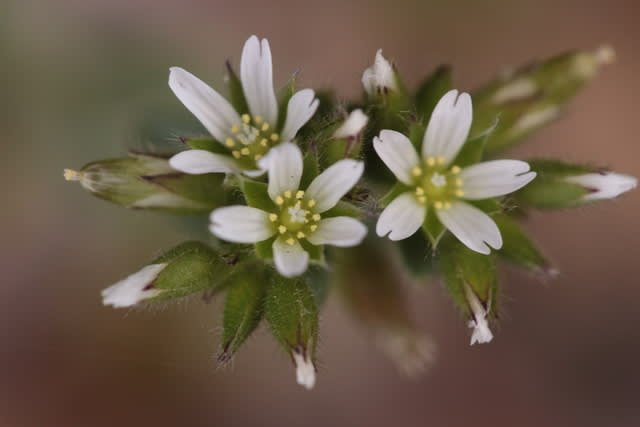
x: 285, y: 169
x: 331, y: 185
x: 369, y: 81
x: 305, y: 370
x: 448, y: 127
x: 481, y: 332
x: 256, y: 74
x: 241, y: 224
x: 605, y: 185
x: 301, y: 107
x: 354, y: 124
x: 131, y: 290
x: 341, y: 231
x: 197, y: 162
x: 290, y: 260
x: 401, y: 218
x: 495, y: 178
x: 397, y: 152
x: 471, y: 226
x: 213, y: 111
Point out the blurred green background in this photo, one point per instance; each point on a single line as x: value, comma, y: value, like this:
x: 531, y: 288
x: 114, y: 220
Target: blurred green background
x: 86, y: 79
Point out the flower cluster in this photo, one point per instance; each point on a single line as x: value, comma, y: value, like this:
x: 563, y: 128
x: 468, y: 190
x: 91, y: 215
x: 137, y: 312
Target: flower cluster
x: 303, y: 188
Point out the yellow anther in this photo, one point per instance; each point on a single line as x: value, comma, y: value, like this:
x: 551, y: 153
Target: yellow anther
x: 273, y: 217
x: 290, y: 241
x: 311, y: 203
x: 440, y: 160
x: 455, y: 170
x: 275, y: 137
x: 235, y: 129
x: 313, y: 227
x: 300, y: 235
x: 459, y: 193
x: 264, y: 142
x: 419, y: 191
x: 265, y: 127
x: 437, y: 205
x: 257, y: 157
x: 416, y: 171
x: 258, y: 119
x: 447, y: 205
x: 230, y: 142
x: 246, y: 118
x: 459, y: 182
x: 431, y: 161
x: 288, y: 194
x: 279, y: 200
x: 282, y: 229
x: 71, y: 175
x: 316, y: 217
x: 236, y: 154
x: 245, y: 151
x: 422, y: 199
x: 299, y: 194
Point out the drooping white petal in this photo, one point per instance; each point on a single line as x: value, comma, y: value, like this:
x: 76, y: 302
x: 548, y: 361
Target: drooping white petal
x: 285, y: 169
x: 354, y: 124
x: 301, y: 107
x: 397, y: 152
x: 379, y: 76
x: 481, y: 332
x: 331, y: 185
x: 213, y: 111
x: 341, y: 231
x: 471, y: 226
x: 196, y: 162
x: 133, y: 289
x: 256, y: 74
x: 448, y: 127
x: 495, y: 178
x: 401, y: 218
x: 290, y: 260
x: 605, y: 185
x: 241, y: 224
x: 305, y: 370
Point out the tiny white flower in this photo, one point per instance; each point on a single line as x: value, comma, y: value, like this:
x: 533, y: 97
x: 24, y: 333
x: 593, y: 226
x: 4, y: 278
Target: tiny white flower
x: 247, y: 137
x: 352, y: 126
x: 605, y: 185
x: 481, y: 332
x: 435, y: 183
x: 297, y: 215
x: 134, y: 288
x: 305, y: 369
x: 380, y: 77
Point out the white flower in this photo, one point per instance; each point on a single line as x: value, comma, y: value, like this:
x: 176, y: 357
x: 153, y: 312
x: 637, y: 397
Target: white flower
x: 133, y: 289
x: 606, y: 185
x: 305, y: 369
x: 247, y: 137
x: 352, y: 126
x: 435, y: 183
x: 380, y: 77
x: 297, y: 214
x: 481, y: 332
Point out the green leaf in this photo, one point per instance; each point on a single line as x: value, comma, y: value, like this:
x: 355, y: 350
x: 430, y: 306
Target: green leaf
x: 517, y: 248
x: 256, y: 194
x: 433, y: 228
x: 473, y: 150
x: 318, y: 278
x: 417, y: 254
x: 208, y: 144
x: 236, y: 92
x: 431, y: 90
x: 395, y: 191
x: 310, y: 170
x: 284, y: 96
x: 206, y: 189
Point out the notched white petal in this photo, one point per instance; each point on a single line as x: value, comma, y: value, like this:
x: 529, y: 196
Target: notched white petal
x: 301, y: 107
x: 256, y: 74
x: 471, y: 226
x: 397, y: 152
x: 196, y: 162
x: 401, y: 218
x: 339, y: 231
x: 241, y: 224
x: 606, y: 185
x: 285, y: 169
x: 495, y: 178
x: 331, y: 185
x: 133, y: 289
x: 290, y: 260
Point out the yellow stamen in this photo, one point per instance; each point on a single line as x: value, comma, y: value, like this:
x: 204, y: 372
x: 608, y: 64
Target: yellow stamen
x: 437, y: 205
x: 264, y: 142
x: 71, y: 175
x: 416, y: 171
x: 455, y: 170
x: 279, y: 200
x: 440, y: 160
x: 230, y: 142
x: 316, y: 217
x: 288, y: 194
x: 245, y: 151
x: 459, y: 193
x: 273, y: 217
x: 291, y: 241
x: 459, y: 182
x: 246, y: 118
x: 419, y: 191
x: 431, y: 161
x: 313, y: 227
x: 447, y: 205
x: 282, y: 229
x: 299, y: 194
x: 265, y: 127
x: 235, y: 129
x: 422, y: 199
x: 274, y: 137
x: 257, y: 157
x: 311, y: 203
x: 236, y: 154
x: 300, y: 235
x: 258, y: 119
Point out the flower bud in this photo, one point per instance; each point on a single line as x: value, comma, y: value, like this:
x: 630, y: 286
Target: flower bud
x: 144, y: 181
x: 379, y: 78
x: 564, y: 185
x: 188, y: 268
x: 346, y: 140
x: 291, y: 311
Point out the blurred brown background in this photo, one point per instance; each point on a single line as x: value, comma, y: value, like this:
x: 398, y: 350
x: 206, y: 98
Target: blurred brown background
x: 86, y: 79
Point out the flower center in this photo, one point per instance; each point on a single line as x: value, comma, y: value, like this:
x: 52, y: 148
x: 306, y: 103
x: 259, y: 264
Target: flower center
x: 435, y: 184
x: 252, y: 139
x: 296, y: 218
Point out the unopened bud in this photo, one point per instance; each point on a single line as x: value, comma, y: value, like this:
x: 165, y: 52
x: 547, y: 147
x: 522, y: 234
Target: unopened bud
x: 380, y: 77
x: 481, y: 333
x: 604, y: 185
x: 135, y: 288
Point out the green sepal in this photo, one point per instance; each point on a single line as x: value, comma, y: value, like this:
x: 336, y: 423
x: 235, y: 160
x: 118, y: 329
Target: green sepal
x: 398, y: 189
x: 206, y: 189
x: 488, y: 206
x: 473, y: 150
x: 316, y: 253
x: 417, y: 253
x: 416, y: 134
x: 207, y: 144
x: 284, y: 95
x: 433, y: 228
x: 257, y: 195
x: 310, y: 170
x: 344, y: 209
x: 264, y: 249
x: 243, y: 310
x: 517, y: 248
x: 291, y: 311
x: 236, y: 92
x: 431, y: 90
x: 318, y: 278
